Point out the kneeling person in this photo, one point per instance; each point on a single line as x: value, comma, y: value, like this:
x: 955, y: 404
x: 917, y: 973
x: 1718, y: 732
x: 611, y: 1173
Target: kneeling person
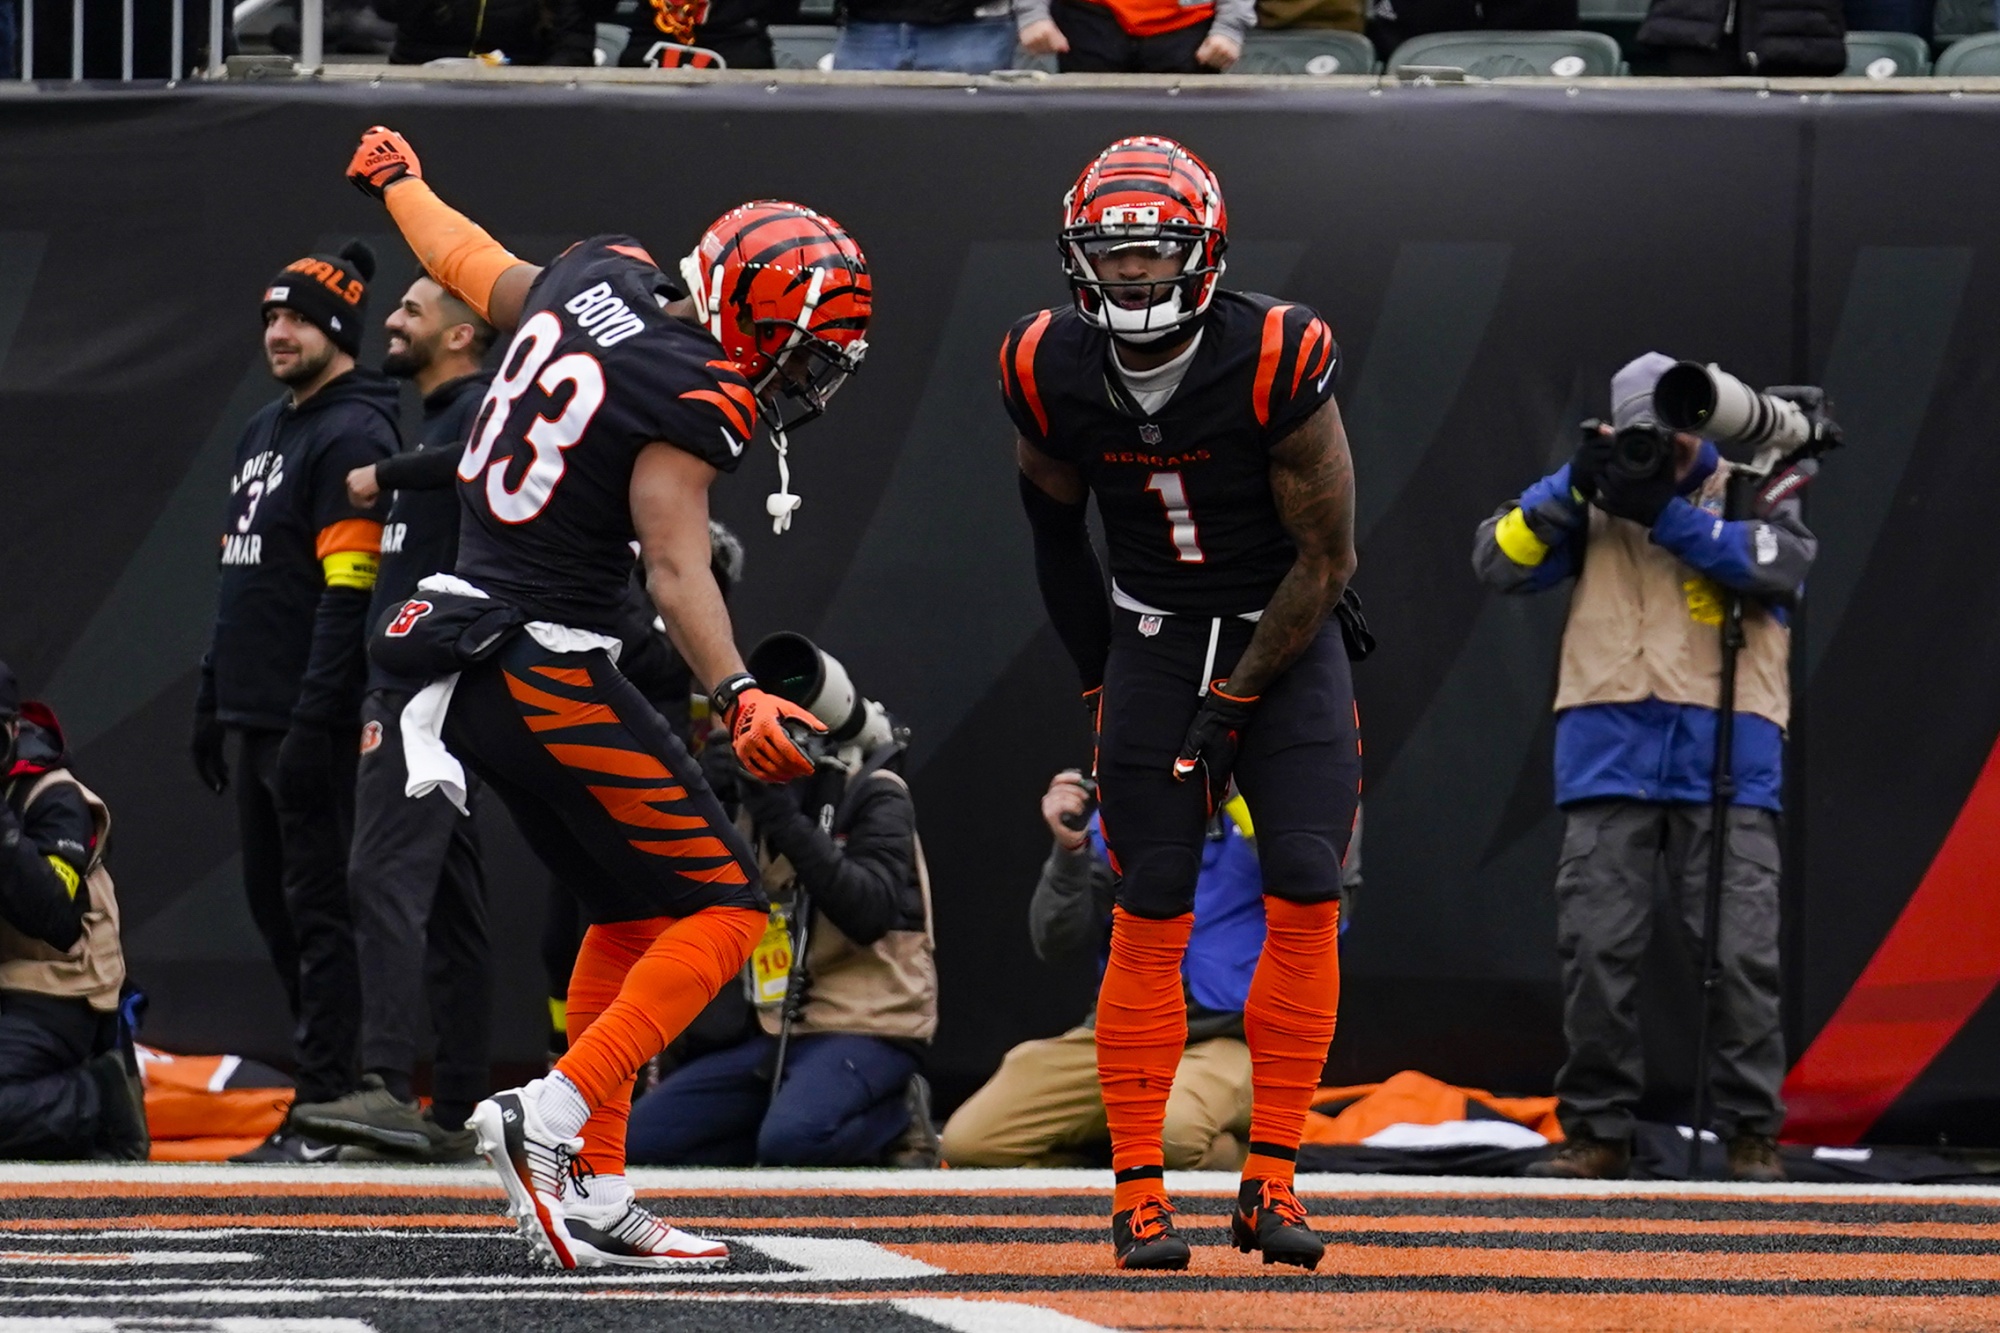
x: 863, y: 998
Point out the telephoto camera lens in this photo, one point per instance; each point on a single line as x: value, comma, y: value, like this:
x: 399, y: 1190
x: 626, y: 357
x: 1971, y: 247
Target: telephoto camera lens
x: 1709, y: 401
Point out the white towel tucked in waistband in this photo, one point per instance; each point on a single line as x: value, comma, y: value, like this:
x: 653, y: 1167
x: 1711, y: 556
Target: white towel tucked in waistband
x: 428, y: 765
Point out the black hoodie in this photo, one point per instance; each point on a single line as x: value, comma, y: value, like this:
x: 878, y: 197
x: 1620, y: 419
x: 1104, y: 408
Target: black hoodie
x: 46, y: 847
x: 288, y: 644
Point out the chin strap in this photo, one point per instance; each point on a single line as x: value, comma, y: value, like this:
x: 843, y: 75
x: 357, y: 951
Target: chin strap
x: 781, y: 504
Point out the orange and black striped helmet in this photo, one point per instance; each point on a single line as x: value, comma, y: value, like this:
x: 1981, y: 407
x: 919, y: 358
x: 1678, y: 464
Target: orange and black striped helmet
x: 1147, y: 194
x: 786, y: 292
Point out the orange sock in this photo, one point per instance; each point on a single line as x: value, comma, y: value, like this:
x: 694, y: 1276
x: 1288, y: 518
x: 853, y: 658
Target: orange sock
x: 1141, y: 1032
x: 1288, y: 1021
x: 637, y: 984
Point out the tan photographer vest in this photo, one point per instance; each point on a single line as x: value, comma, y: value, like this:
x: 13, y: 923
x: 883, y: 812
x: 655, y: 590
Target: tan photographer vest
x: 93, y: 968
x: 885, y: 989
x: 1643, y: 625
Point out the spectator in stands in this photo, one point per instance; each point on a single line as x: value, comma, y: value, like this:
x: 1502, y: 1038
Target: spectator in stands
x: 67, y: 1086
x: 1306, y: 15
x: 1136, y: 36
x: 527, y: 32
x: 1043, y: 1107
x: 415, y: 875
x: 284, y: 673
x: 736, y: 30
x: 951, y: 36
x: 862, y: 1000
x: 1721, y: 38
x: 1636, y: 696
x: 1393, y: 22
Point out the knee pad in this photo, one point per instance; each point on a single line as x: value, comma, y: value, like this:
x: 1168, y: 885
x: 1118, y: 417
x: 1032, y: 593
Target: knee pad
x: 1158, y: 882
x: 1299, y: 867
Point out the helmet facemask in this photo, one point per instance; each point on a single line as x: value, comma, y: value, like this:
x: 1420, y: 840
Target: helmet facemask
x: 1167, y: 302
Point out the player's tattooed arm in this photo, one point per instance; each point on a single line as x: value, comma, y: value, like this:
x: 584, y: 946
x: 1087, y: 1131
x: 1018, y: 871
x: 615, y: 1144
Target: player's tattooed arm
x: 670, y: 516
x: 1312, y: 480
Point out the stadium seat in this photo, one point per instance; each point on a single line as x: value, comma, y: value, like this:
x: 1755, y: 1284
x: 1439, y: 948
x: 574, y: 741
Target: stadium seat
x: 1502, y: 55
x: 1954, y: 19
x: 803, y: 46
x: 1319, y: 51
x: 1612, y: 11
x: 1971, y: 56
x: 1026, y: 59
x: 1887, y: 55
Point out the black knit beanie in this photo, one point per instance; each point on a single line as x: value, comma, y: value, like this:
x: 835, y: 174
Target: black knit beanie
x: 329, y: 291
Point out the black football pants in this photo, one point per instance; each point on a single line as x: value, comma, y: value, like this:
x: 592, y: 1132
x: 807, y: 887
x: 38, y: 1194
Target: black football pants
x: 419, y: 920
x: 295, y: 874
x: 1299, y: 767
x: 599, y: 785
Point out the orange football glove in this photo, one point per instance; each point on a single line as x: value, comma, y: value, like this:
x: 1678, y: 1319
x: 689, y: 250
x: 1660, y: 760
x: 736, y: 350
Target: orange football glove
x: 382, y: 158
x: 762, y: 734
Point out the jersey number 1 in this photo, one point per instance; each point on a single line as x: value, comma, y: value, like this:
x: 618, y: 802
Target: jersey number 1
x: 528, y: 364
x: 1180, y: 519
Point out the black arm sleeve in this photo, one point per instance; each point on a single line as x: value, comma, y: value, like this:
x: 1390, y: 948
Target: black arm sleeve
x: 33, y: 897
x: 868, y: 887
x: 330, y: 694
x: 204, y: 691
x: 1071, y: 580
x: 419, y: 469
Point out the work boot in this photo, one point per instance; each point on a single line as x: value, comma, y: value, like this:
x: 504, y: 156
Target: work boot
x: 372, y: 1117
x: 121, y: 1117
x: 1270, y: 1218
x: 1754, y: 1157
x: 448, y: 1147
x: 1586, y: 1158
x: 1144, y: 1237
x: 917, y: 1148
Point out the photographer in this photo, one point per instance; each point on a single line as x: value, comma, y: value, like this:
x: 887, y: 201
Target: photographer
x: 843, y: 1034
x: 66, y: 1089
x: 1636, y: 517
x: 1044, y: 1106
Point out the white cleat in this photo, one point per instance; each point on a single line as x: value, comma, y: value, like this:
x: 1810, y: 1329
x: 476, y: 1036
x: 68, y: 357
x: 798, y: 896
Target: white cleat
x: 533, y: 1164
x: 621, y: 1232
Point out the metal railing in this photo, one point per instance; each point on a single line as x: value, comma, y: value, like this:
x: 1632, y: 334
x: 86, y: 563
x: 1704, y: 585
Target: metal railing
x: 312, y: 36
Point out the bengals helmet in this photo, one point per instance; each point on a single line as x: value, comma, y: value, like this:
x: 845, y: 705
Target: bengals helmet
x: 786, y: 292
x: 1148, y: 194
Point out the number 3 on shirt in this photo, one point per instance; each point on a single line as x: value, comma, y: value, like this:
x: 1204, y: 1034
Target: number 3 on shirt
x: 549, y: 436
x: 1180, y: 519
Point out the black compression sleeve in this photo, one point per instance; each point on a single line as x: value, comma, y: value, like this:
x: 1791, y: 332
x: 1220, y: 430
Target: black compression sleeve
x: 1071, y: 580
x: 419, y: 469
x: 330, y: 694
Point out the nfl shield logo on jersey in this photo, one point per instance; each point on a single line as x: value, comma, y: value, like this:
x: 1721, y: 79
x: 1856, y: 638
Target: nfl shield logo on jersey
x: 1149, y: 434
x: 371, y: 737
x: 1150, y: 625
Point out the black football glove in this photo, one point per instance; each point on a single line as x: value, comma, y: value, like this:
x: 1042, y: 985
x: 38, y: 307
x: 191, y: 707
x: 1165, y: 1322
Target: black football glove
x: 1212, y: 741
x: 305, y: 766
x: 1587, y: 464
x: 211, y: 765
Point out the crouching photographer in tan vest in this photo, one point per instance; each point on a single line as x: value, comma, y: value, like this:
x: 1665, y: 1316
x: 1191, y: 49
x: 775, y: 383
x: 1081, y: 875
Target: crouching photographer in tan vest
x: 844, y: 982
x: 67, y: 1088
x: 1637, y: 519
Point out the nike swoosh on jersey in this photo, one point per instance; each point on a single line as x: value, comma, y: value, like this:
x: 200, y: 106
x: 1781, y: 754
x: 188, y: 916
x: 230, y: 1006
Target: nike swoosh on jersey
x: 735, y: 445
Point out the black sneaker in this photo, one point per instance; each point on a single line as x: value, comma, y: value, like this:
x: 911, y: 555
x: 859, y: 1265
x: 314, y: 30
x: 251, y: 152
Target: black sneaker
x: 1269, y: 1217
x: 1144, y: 1237
x: 288, y: 1145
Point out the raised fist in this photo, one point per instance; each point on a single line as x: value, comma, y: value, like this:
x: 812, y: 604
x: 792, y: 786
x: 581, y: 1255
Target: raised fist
x: 382, y: 158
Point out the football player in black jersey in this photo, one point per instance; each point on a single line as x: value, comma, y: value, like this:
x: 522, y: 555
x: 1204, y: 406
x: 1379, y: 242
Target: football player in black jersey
x: 617, y: 403
x: 1203, y: 422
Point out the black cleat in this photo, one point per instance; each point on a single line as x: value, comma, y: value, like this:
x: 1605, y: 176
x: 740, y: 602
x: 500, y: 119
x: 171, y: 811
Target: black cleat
x: 1269, y: 1217
x: 1144, y: 1237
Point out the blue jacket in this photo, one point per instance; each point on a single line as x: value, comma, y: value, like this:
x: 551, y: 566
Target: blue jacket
x: 1653, y: 750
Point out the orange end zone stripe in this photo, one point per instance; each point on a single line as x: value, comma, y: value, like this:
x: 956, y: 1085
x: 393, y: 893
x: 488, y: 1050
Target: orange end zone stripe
x: 1931, y: 974
x: 1267, y: 362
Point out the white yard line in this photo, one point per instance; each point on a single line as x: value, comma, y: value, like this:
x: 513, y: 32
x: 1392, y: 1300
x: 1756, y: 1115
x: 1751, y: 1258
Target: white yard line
x: 704, y: 1180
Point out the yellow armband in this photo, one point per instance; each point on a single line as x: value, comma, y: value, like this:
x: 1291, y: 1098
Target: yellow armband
x: 66, y: 873
x: 350, y: 569
x: 1518, y: 542
x: 349, y: 551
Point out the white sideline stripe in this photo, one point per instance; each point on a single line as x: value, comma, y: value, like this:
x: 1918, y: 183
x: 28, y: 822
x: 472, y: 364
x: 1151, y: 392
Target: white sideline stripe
x: 222, y: 1233
x: 970, y: 1316
x: 105, y: 1258
x: 701, y: 1180
x: 193, y: 1296
x: 93, y: 1324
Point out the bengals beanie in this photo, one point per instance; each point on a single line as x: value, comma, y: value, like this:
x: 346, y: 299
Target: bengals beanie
x: 328, y: 291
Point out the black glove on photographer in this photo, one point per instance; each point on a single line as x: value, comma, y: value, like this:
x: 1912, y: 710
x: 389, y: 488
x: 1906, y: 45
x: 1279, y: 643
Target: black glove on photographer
x: 1587, y: 464
x: 1641, y: 499
x: 770, y: 805
x: 305, y: 765
x: 211, y: 764
x: 1212, y: 741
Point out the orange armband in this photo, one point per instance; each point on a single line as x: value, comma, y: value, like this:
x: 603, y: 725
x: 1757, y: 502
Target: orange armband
x: 455, y: 250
